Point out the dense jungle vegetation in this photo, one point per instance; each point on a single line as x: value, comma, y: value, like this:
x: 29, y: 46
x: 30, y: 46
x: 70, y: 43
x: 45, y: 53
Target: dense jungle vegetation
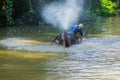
x: 27, y: 12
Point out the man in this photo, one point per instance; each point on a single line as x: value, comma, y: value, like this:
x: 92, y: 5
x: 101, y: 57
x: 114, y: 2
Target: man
x: 77, y: 30
x: 69, y: 38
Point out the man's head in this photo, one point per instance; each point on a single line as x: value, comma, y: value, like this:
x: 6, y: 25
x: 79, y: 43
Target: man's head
x: 80, y: 26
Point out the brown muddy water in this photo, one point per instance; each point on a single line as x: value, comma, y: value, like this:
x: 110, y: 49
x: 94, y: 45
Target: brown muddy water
x: 30, y: 55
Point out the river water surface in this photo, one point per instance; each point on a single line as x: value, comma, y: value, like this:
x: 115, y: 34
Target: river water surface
x: 30, y: 58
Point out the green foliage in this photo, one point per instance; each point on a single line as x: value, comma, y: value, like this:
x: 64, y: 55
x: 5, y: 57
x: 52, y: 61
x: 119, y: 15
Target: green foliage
x: 27, y: 14
x: 105, y: 8
x: 108, y: 8
x: 20, y: 7
x: 28, y: 11
x: 8, y: 11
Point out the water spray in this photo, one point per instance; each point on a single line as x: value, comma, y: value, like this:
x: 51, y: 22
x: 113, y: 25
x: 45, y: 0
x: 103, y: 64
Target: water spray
x: 62, y: 15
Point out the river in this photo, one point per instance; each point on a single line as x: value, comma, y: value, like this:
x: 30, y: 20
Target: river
x: 26, y: 55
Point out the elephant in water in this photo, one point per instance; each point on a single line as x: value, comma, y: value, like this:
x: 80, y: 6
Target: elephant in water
x: 66, y: 39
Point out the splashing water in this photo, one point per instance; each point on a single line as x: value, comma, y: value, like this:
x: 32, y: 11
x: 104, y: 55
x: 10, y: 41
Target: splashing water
x: 29, y: 45
x: 90, y: 45
x: 62, y: 14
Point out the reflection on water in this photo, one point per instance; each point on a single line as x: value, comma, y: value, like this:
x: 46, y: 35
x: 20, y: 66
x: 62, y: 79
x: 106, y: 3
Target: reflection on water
x: 95, y: 59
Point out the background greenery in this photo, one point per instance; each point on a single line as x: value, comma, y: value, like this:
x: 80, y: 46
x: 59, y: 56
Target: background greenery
x: 27, y: 13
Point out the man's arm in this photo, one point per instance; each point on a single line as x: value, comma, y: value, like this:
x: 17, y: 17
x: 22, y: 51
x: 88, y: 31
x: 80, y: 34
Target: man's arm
x: 80, y: 36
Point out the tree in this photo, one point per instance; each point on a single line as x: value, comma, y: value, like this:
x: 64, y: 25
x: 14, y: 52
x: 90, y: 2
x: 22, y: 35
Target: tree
x: 108, y: 8
x: 8, y: 11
